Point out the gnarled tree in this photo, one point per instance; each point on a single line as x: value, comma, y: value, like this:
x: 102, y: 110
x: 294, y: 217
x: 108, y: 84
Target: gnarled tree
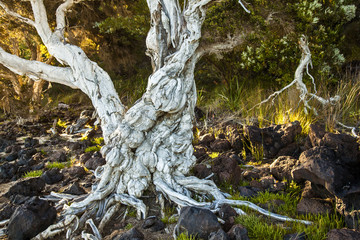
x: 148, y: 144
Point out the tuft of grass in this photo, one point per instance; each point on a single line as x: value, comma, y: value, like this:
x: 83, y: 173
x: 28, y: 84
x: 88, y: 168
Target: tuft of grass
x: 129, y: 226
x: 259, y: 229
x: 35, y: 173
x: 58, y: 165
x: 97, y: 141
x: 184, y: 236
x: 169, y: 216
x: 93, y: 148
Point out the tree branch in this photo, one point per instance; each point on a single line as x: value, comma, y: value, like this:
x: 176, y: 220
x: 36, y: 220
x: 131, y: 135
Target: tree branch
x: 16, y: 15
x: 221, y: 47
x: 60, y: 16
x: 37, y: 70
x: 41, y: 20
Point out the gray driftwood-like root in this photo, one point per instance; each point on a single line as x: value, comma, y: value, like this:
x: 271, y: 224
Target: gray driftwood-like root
x: 150, y: 144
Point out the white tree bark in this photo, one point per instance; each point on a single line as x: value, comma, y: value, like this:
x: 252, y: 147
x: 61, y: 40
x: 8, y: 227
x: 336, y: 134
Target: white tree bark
x: 151, y: 143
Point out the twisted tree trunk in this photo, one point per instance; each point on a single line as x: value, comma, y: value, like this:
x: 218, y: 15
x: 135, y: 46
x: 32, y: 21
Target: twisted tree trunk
x: 151, y: 143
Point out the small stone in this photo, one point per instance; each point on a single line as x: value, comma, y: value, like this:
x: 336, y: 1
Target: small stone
x: 248, y: 191
x: 201, y: 171
x: 228, y: 214
x: 57, y: 156
x: 94, y: 162
x: 342, y: 234
x: 52, y: 176
x: 295, y: 236
x: 133, y: 234
x: 154, y: 223
x: 219, y: 235
x: 75, y: 172
x: 85, y: 157
x: 250, y: 175
x: 207, y: 139
x: 220, y: 145
x: 75, y: 189
x: 238, y: 232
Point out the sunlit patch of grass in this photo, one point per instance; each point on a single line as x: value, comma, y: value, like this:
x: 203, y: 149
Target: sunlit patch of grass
x: 184, y: 236
x: 259, y: 229
x: 93, y: 148
x: 58, y: 165
x: 35, y: 173
x: 214, y: 154
x: 97, y: 141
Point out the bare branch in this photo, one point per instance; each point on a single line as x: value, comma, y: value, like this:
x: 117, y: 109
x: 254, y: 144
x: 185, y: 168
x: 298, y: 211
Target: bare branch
x: 16, y: 15
x: 60, y: 16
x: 221, y: 47
x: 41, y: 20
x: 36, y: 70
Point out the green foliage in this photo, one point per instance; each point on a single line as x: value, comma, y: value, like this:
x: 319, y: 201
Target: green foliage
x: 93, y: 148
x: 58, y: 165
x: 128, y: 226
x: 269, y: 54
x: 169, y: 217
x: 258, y: 229
x: 35, y: 173
x: 184, y: 236
x: 97, y: 141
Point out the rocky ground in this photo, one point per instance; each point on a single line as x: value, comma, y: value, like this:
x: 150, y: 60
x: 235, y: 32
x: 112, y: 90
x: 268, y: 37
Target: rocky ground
x: 58, y: 151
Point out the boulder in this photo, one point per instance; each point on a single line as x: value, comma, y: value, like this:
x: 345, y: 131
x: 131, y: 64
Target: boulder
x: 28, y: 187
x: 30, y: 219
x: 197, y: 221
x: 313, y: 206
x: 318, y: 165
